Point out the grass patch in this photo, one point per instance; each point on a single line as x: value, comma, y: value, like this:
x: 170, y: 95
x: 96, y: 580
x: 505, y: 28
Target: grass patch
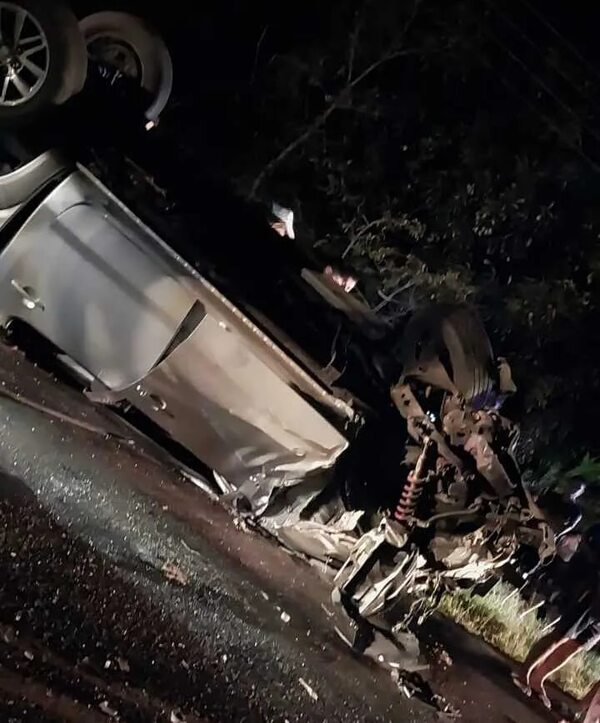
x: 501, y: 622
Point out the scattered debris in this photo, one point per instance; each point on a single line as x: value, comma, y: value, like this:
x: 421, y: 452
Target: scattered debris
x: 311, y: 691
x: 174, y: 573
x: 7, y: 635
x: 107, y: 710
x: 343, y: 637
x: 243, y: 524
x: 326, y: 610
x: 322, y: 542
x: 412, y: 685
x: 446, y: 659
x: 441, y: 656
x: 123, y: 665
x: 448, y: 711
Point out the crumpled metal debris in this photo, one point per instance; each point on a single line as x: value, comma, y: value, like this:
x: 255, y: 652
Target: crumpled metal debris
x: 107, y: 710
x: 312, y: 693
x: 462, y: 511
x: 317, y: 540
x: 462, y: 484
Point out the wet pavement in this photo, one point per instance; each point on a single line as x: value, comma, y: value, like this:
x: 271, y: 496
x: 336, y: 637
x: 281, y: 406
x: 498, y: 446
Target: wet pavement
x: 128, y: 594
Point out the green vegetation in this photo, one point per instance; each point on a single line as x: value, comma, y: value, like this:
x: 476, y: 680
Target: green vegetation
x: 501, y: 622
x: 415, y: 150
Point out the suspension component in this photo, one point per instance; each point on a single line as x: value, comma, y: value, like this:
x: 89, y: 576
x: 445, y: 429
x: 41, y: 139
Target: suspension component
x: 415, y: 480
x: 408, y: 499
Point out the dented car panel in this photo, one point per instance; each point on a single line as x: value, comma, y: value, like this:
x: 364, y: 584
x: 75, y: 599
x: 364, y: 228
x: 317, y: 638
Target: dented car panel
x: 216, y: 394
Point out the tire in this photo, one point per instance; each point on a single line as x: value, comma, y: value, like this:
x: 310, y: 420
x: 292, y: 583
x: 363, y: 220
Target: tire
x: 76, y: 66
x: 128, y: 43
x: 60, y: 61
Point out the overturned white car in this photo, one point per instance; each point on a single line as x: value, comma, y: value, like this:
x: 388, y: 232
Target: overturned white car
x: 142, y: 328
x: 400, y: 495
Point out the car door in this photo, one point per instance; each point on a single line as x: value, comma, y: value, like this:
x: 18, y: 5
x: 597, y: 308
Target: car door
x: 237, y: 401
x: 86, y: 274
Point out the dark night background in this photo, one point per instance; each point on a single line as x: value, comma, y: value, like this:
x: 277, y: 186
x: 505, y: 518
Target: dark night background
x: 465, y: 166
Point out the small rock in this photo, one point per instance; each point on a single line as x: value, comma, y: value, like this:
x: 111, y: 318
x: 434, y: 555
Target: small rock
x: 28, y: 654
x: 177, y: 716
x: 285, y: 617
x: 123, y: 665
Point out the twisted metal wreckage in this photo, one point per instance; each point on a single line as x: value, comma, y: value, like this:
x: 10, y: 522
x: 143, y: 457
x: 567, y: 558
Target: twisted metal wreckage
x: 462, y: 512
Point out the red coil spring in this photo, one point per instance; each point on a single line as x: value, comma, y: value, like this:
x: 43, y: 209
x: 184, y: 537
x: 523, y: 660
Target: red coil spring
x: 408, y: 499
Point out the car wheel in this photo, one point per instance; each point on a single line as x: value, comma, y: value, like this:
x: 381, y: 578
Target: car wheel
x: 129, y: 45
x: 42, y: 58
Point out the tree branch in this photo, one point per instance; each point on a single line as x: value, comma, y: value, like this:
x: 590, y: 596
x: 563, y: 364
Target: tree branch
x: 356, y: 237
x: 337, y: 101
x: 390, y: 297
x: 257, y: 53
x: 354, y: 42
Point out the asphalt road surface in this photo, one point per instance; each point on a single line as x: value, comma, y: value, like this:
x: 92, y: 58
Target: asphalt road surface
x: 127, y: 594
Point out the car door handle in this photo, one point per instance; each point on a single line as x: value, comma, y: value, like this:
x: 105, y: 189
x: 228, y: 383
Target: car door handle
x: 157, y: 403
x: 28, y: 296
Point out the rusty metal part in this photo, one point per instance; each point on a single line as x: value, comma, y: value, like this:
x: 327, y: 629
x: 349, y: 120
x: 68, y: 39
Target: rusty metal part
x: 413, y: 487
x: 488, y: 465
x: 418, y: 423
